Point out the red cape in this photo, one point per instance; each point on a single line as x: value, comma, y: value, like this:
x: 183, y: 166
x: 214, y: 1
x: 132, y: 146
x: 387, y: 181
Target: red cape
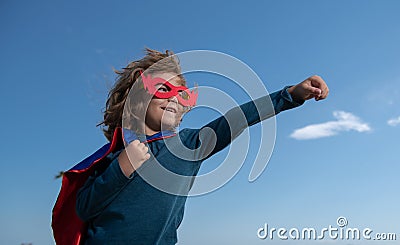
x: 68, y: 229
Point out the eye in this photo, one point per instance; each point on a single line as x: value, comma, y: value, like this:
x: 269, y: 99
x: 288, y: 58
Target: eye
x: 184, y: 94
x: 162, y: 88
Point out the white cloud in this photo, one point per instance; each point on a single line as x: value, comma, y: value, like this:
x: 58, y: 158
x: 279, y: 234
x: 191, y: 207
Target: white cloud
x: 394, y: 121
x: 345, y: 121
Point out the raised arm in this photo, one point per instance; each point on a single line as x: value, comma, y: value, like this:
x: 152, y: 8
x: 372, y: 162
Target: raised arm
x: 226, y: 128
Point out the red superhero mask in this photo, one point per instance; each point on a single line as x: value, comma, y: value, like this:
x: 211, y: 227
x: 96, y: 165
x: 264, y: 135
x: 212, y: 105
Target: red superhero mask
x: 167, y: 90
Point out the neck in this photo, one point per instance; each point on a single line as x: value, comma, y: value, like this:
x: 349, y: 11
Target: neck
x: 149, y: 131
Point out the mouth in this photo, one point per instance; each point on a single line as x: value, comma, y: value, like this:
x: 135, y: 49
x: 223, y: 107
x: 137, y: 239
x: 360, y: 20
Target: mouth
x: 169, y: 109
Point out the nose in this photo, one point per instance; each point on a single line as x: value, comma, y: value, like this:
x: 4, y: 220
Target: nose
x: 173, y: 99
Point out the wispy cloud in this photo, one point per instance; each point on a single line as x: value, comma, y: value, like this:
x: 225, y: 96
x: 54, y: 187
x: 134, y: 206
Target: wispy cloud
x: 345, y: 121
x: 394, y: 121
x: 388, y: 93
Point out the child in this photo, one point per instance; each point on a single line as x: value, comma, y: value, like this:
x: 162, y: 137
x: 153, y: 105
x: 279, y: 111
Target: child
x: 131, y: 197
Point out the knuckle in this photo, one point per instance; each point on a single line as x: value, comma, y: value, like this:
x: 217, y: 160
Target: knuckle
x: 316, y: 77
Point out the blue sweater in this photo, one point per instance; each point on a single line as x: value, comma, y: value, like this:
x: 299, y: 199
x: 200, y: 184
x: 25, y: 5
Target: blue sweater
x: 121, y: 210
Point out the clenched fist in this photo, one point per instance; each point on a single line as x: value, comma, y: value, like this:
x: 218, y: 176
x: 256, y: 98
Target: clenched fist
x: 312, y: 87
x: 132, y: 157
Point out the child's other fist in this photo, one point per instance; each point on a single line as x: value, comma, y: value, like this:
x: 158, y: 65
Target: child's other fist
x: 137, y: 153
x: 133, y: 156
x: 313, y: 87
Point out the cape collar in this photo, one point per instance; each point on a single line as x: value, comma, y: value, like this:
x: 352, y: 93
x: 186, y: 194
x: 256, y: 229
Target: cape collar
x: 129, y: 136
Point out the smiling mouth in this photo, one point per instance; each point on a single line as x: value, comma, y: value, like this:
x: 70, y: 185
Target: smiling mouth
x: 169, y: 109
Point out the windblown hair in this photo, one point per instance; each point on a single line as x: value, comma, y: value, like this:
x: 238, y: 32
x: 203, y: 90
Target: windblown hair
x: 153, y: 61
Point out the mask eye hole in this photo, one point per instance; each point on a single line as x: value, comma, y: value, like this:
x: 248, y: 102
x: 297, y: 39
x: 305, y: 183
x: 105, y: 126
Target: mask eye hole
x: 162, y: 88
x: 184, y: 94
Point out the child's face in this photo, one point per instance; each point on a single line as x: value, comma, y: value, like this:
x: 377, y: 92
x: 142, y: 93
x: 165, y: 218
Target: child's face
x: 167, y: 113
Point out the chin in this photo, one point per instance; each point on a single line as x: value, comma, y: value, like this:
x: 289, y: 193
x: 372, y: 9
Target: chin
x: 169, y: 125
x: 169, y: 122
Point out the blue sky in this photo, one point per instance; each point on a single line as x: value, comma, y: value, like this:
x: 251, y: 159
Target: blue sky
x: 56, y: 68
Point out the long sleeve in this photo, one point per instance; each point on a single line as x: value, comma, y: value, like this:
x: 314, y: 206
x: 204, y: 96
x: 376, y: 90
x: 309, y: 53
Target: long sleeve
x: 219, y: 133
x: 100, y: 189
